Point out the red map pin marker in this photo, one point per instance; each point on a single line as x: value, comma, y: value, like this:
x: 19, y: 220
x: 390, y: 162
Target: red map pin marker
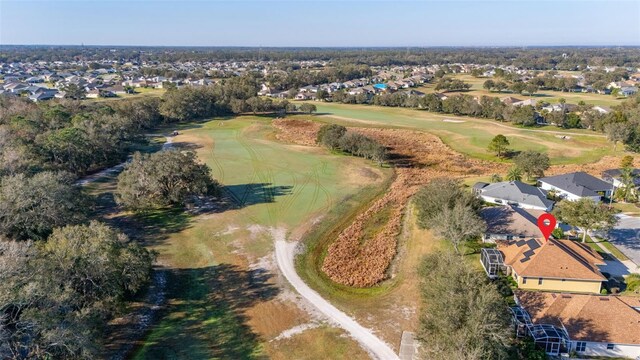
x: 546, y: 224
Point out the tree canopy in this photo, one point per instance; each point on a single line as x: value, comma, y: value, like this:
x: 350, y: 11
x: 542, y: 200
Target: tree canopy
x: 532, y: 163
x: 464, y: 317
x: 162, y: 179
x: 586, y: 214
x: 31, y: 206
x: 499, y: 145
x: 56, y: 295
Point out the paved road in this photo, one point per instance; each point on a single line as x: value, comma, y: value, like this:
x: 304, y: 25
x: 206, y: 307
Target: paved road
x: 377, y: 348
x: 626, y: 236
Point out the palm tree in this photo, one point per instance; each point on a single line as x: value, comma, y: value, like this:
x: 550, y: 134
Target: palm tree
x: 514, y: 174
x: 628, y: 189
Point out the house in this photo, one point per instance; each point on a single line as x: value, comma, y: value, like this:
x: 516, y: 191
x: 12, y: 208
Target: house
x: 602, y: 109
x: 357, y: 91
x: 118, y: 90
x: 598, y: 326
x: 553, y: 265
x: 305, y: 96
x: 507, y: 224
x: 560, y: 107
x: 93, y: 94
x: 614, y: 176
x: 265, y: 90
x: 628, y: 90
x: 514, y: 193
x: 510, y: 100
x: 577, y: 185
x: 414, y: 93
x: 43, y: 95
x: 441, y: 96
x: 530, y: 102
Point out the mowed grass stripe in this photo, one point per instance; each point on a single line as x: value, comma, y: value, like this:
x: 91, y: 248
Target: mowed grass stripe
x: 472, y: 136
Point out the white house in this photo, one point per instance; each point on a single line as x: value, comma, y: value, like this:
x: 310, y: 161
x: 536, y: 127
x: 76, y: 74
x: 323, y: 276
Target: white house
x: 614, y: 176
x: 514, y: 193
x: 577, y: 185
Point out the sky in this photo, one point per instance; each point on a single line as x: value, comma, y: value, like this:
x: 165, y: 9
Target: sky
x: 320, y: 23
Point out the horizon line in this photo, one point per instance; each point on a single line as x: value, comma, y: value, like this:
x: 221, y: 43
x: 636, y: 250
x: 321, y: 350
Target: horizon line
x: 334, y: 46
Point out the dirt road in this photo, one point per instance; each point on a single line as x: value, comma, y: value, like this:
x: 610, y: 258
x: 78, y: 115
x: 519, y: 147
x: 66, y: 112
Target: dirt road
x: 377, y: 348
x: 118, y: 168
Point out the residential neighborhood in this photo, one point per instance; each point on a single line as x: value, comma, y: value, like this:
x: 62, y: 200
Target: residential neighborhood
x: 563, y: 299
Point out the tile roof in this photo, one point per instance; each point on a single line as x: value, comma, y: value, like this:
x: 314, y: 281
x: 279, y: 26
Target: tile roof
x: 606, y: 319
x: 559, y: 259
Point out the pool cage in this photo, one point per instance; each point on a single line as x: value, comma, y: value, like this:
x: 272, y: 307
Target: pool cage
x: 492, y: 262
x: 554, y: 340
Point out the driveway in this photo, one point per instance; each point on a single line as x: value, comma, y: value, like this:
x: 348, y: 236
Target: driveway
x: 378, y: 349
x: 626, y: 236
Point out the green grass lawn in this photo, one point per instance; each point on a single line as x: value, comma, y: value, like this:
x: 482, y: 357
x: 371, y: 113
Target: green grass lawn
x: 607, y: 245
x: 472, y: 135
x: 213, y: 292
x: 549, y: 96
x: 627, y: 208
x: 139, y: 93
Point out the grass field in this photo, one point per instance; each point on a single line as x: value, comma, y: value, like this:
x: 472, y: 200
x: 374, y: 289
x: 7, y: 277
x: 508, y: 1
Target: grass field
x: 139, y: 93
x: 549, y: 96
x: 472, y: 135
x: 224, y: 300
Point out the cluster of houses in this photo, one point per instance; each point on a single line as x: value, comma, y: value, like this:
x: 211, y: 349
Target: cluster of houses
x: 43, y: 80
x: 558, y: 301
x: 366, y: 86
x: 42, y: 87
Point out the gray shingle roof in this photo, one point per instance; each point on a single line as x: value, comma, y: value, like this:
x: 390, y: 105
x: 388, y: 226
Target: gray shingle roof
x: 516, y: 191
x: 578, y: 183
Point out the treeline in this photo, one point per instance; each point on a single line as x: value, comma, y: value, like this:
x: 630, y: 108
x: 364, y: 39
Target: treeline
x: 621, y: 125
x: 292, y: 77
x: 336, y: 137
x: 461, y: 104
x: 63, y: 276
x: 70, y: 136
x: 560, y: 58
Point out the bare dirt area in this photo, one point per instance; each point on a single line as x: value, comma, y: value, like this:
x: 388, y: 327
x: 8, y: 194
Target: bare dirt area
x: 595, y: 169
x: 301, y: 132
x: 361, y: 257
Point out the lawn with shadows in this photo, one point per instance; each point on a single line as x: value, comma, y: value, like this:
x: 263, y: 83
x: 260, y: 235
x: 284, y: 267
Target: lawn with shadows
x: 205, y: 319
x: 223, y: 302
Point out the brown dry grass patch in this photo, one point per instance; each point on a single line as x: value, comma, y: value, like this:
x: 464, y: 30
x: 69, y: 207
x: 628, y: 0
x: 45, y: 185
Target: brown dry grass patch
x: 319, y: 343
x: 420, y: 157
x: 271, y: 318
x: 595, y: 169
x: 301, y: 132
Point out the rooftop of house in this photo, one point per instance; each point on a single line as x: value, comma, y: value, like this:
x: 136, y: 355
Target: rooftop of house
x: 558, y: 259
x: 508, y: 220
x: 606, y: 319
x: 516, y: 191
x: 578, y: 183
x: 617, y: 173
x: 510, y: 100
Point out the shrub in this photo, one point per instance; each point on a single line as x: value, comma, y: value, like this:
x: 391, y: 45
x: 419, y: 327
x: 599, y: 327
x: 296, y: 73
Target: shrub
x: 163, y: 179
x: 330, y: 135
